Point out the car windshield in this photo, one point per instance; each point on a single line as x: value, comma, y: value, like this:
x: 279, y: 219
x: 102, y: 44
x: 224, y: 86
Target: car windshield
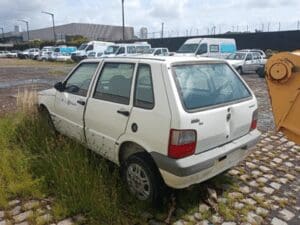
x: 237, y: 56
x: 205, y: 85
x: 82, y: 47
x: 188, y: 48
x: 149, y: 51
x: 111, y: 49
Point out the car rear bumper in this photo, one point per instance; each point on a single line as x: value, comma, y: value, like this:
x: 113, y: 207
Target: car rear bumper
x: 181, y: 173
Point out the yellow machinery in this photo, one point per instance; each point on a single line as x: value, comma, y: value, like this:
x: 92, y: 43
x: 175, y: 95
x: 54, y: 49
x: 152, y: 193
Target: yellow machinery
x: 283, y: 78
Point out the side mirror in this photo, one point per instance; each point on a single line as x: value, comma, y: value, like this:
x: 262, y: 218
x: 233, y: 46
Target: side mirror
x: 59, y: 86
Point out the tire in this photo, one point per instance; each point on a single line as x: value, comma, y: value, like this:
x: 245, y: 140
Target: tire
x: 47, y: 120
x: 138, y: 169
x: 240, y: 70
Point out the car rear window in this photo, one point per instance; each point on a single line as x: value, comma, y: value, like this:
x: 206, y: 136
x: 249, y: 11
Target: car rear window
x: 206, y: 85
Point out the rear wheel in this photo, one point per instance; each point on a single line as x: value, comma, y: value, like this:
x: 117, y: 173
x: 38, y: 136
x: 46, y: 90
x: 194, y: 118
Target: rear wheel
x: 142, y: 178
x: 239, y: 70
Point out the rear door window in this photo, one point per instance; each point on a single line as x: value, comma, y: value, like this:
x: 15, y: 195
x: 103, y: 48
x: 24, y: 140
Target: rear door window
x: 206, y: 85
x: 114, y: 83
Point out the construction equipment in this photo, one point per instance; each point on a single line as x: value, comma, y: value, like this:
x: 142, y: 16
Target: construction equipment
x: 283, y: 78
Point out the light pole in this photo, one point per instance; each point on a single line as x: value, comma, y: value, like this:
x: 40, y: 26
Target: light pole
x: 2, y: 33
x: 27, y: 27
x: 52, y: 15
x: 123, y: 20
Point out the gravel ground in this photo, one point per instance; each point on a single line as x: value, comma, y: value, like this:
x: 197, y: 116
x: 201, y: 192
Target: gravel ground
x: 266, y: 187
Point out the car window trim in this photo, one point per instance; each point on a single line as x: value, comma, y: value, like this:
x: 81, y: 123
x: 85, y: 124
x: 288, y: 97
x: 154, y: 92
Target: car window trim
x: 99, y: 73
x: 75, y: 69
x: 135, y: 86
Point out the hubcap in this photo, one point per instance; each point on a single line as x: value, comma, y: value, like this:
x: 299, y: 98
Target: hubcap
x: 138, y: 181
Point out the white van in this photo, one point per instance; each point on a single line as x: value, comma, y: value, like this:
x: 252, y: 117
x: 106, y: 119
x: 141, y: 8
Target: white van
x: 86, y: 48
x: 207, y: 47
x: 126, y: 49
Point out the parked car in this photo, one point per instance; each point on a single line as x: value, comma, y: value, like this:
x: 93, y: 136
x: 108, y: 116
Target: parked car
x: 208, y: 47
x: 3, y: 54
x: 246, y: 61
x: 86, y: 48
x: 178, y: 126
x: 44, y: 53
x: 261, y: 52
x: 94, y: 55
x: 24, y: 54
x: 157, y: 51
x: 34, y: 53
x: 12, y: 54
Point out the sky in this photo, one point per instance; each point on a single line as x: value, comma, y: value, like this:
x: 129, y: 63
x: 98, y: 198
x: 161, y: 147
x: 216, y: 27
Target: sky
x: 180, y: 17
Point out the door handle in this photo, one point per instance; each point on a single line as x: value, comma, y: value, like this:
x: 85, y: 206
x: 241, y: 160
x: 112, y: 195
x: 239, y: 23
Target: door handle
x: 81, y: 102
x: 123, y: 112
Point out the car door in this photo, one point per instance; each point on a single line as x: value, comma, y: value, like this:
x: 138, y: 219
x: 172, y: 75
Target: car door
x: 248, y: 64
x: 257, y: 61
x: 70, y: 103
x: 109, y: 107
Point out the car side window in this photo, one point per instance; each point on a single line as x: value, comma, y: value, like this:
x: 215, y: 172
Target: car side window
x: 90, y: 47
x: 213, y: 48
x: 249, y: 57
x: 144, y: 96
x: 78, y: 83
x: 114, y: 83
x: 202, y: 49
x: 121, y: 51
x: 157, y: 52
x: 131, y: 50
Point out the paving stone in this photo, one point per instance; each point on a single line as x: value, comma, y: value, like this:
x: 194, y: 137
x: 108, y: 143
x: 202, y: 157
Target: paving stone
x: 67, y: 222
x: 244, y: 177
x: 254, y: 218
x: 283, y: 180
x: 261, y: 211
x: 5, y: 222
x: 31, y: 204
x: 286, y: 214
x: 233, y: 172
x: 44, y: 219
x: 23, y: 223
x: 251, y: 165
x: 277, y: 160
x: 14, y: 202
x: 249, y: 201
x: 289, y: 164
x: 204, y: 222
x: 275, y: 185
x: 256, y: 173
x: 16, y: 210
x: 238, y: 205
x: 2, y: 213
x: 268, y: 190
x: 276, y: 221
x: 284, y: 156
x: 269, y: 176
x: 253, y: 183
x: 262, y: 180
x: 290, y: 176
x: 264, y: 169
x: 203, y: 208
x: 244, y: 189
x: 179, y: 222
x: 229, y: 223
x: 235, y: 195
x: 216, y: 219
x: 197, y: 216
x: 23, y: 216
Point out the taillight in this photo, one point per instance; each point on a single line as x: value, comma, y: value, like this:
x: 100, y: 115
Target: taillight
x: 254, y: 121
x: 182, y: 143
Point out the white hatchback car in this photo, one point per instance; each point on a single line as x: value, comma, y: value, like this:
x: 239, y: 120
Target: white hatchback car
x: 164, y: 120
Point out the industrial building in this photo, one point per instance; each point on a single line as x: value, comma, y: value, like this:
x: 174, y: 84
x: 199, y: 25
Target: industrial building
x: 90, y: 31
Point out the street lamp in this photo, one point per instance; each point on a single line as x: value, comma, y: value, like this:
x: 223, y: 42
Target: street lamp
x: 2, y: 32
x: 27, y: 27
x: 123, y: 20
x: 52, y: 15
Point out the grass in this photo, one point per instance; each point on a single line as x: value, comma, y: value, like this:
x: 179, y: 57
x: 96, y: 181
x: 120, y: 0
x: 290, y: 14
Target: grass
x: 4, y: 62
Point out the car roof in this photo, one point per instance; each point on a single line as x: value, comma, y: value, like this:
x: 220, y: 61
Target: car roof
x: 165, y: 59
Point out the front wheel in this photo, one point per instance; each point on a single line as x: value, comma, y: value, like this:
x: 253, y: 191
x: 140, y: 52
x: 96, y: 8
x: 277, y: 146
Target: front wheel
x: 142, y: 178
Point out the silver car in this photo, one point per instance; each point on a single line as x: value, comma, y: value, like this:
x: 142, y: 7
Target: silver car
x: 246, y: 61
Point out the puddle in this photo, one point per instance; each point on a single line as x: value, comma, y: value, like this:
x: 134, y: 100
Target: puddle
x: 14, y: 83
